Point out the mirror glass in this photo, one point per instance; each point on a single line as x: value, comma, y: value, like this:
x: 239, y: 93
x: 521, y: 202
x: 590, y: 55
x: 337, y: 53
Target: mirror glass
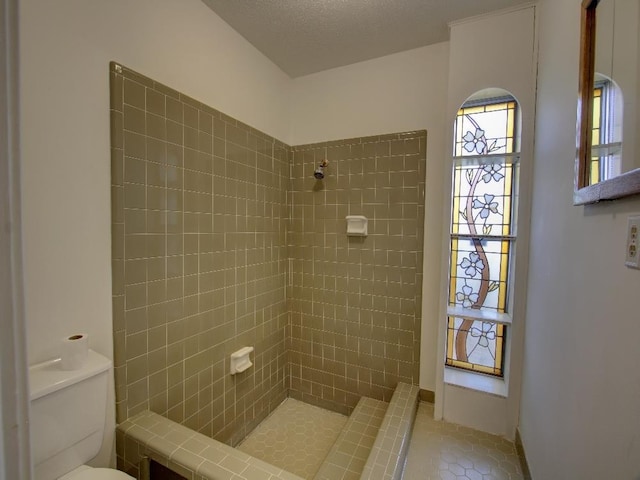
x: 615, y: 102
x: 608, y: 161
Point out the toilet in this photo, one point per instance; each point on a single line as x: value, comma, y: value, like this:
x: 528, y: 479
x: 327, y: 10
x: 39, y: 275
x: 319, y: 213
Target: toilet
x: 85, y: 472
x: 68, y: 416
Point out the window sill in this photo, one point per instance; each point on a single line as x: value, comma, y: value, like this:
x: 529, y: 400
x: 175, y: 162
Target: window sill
x: 477, y: 160
x: 475, y: 381
x: 478, y: 314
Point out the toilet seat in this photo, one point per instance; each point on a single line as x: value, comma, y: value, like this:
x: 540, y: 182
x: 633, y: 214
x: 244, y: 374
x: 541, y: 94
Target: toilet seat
x: 87, y: 473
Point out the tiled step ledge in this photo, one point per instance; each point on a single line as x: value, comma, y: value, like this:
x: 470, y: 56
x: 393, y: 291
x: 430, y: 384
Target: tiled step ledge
x: 387, y: 458
x: 186, y: 452
x: 347, y: 457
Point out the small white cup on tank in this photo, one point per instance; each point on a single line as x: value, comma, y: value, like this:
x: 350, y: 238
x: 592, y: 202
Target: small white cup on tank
x: 74, y: 351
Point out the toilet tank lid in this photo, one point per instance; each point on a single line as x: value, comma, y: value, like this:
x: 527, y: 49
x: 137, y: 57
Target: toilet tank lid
x: 48, y: 377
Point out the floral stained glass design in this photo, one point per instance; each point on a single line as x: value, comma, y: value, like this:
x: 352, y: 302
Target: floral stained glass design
x: 484, y: 344
x: 485, y: 129
x: 480, y: 265
x: 481, y: 232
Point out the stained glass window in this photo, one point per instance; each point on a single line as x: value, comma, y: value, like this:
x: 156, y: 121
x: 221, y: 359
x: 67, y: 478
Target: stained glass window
x: 485, y: 128
x: 606, y: 133
x: 475, y: 345
x: 478, y: 277
x: 595, y: 134
x: 485, y: 146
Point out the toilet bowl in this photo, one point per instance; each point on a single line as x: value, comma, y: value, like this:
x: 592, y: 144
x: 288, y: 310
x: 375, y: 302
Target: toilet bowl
x: 85, y: 472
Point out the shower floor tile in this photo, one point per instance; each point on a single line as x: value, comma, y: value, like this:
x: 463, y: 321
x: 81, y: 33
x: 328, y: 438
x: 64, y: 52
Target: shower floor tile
x: 295, y: 437
x: 441, y: 450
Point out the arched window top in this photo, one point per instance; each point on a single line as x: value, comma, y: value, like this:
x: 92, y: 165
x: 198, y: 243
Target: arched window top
x: 487, y: 123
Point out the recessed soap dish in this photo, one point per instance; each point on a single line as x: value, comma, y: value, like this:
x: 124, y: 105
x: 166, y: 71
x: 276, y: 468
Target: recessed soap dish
x: 357, y: 226
x: 240, y: 360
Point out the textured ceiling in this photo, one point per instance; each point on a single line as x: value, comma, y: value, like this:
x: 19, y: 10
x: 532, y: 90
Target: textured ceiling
x: 307, y: 36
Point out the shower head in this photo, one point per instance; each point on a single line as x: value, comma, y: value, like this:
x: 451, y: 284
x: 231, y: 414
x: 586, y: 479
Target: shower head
x: 319, y: 172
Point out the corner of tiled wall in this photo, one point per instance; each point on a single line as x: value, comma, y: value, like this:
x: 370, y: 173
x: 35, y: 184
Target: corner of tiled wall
x: 221, y: 238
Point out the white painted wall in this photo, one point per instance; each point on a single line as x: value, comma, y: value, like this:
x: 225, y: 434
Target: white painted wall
x: 480, y: 58
x: 580, y: 415
x: 400, y: 92
x: 65, y: 51
x: 395, y: 93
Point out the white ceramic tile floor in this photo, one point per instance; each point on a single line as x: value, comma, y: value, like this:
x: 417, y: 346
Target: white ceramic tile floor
x: 295, y: 437
x: 444, y: 451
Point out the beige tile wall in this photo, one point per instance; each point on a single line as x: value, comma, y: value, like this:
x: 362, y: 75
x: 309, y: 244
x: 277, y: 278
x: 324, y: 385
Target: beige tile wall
x: 355, y: 302
x: 222, y: 238
x: 199, y: 260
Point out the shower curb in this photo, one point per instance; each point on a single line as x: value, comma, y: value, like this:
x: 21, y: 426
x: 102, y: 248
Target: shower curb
x: 387, y: 458
x: 349, y: 453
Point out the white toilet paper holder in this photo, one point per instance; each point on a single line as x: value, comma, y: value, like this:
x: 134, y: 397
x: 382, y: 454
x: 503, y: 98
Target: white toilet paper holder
x: 240, y: 360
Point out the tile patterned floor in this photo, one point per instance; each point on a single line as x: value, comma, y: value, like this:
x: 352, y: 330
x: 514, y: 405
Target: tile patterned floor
x: 444, y: 451
x: 295, y: 437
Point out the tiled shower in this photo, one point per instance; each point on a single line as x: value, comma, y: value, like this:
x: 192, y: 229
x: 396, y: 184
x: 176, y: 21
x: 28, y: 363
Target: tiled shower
x: 355, y: 302
x: 222, y: 238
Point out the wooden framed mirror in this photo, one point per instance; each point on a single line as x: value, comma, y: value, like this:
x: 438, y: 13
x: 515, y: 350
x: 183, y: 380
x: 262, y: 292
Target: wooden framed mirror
x: 608, y: 146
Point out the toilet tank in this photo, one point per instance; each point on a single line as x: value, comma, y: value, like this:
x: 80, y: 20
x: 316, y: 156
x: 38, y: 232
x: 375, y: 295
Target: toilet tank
x: 68, y: 414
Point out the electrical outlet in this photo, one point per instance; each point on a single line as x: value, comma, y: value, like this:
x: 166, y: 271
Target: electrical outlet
x: 633, y: 243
